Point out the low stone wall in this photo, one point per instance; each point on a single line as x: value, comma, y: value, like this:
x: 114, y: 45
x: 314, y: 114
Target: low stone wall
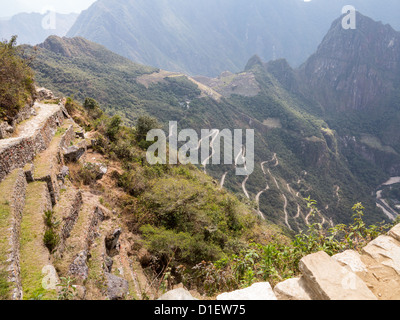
x: 68, y: 137
x: 57, y: 161
x: 97, y: 217
x: 18, y: 152
x: 69, y: 221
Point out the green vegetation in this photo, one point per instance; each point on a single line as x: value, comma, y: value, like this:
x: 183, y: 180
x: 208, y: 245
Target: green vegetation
x: 203, y: 236
x: 293, y: 128
x: 50, y: 237
x: 276, y: 261
x: 6, y: 188
x: 33, y: 255
x: 181, y: 214
x: 16, y: 80
x: 67, y: 289
x: 4, y: 286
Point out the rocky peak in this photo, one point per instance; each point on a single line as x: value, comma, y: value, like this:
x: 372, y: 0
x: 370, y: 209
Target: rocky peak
x: 354, y: 68
x: 253, y: 61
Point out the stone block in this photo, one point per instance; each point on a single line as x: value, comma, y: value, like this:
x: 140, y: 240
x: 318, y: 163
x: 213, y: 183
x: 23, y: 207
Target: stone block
x: 117, y: 288
x: 292, y: 289
x: 326, y: 279
x: 177, y: 294
x: 385, y: 250
x: 352, y: 260
x: 258, y: 291
x: 395, y: 232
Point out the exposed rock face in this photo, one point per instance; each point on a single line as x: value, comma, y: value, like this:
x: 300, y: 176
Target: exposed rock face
x: 45, y: 94
x: 258, y: 291
x: 117, y: 288
x: 352, y: 260
x: 79, y: 267
x: 63, y: 173
x: 354, y: 69
x: 111, y: 242
x: 395, y: 232
x: 74, y: 153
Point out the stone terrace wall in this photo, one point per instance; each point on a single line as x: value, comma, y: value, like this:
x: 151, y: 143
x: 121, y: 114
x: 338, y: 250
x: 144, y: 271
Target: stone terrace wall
x: 97, y: 217
x: 78, y: 267
x: 68, y: 137
x: 71, y: 216
x: 18, y: 152
x: 17, y: 203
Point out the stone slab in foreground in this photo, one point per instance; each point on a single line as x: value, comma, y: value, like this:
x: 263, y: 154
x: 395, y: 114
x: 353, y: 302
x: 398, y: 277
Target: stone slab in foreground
x: 258, y: 291
x: 326, y: 279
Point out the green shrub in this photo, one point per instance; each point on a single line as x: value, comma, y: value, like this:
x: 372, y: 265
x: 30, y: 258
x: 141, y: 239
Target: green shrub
x: 87, y: 173
x: 67, y: 290
x: 50, y: 239
x: 143, y: 125
x: 182, y: 247
x: 276, y: 262
x: 49, y: 219
x: 16, y: 80
x: 113, y: 127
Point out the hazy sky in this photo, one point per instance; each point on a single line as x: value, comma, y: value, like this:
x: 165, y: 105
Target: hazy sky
x: 9, y: 8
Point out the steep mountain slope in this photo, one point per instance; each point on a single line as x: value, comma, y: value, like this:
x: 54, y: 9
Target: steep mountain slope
x: 208, y: 37
x: 296, y: 151
x: 34, y: 28
x: 84, y: 216
x: 354, y: 69
x: 355, y: 77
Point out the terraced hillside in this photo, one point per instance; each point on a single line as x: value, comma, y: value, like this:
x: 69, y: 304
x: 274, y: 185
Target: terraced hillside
x: 49, y: 227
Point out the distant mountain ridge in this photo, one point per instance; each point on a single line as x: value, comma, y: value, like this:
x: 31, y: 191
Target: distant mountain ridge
x: 29, y: 27
x: 207, y: 37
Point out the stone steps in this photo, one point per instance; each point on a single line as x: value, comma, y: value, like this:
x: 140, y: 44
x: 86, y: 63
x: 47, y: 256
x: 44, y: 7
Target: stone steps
x: 34, y: 255
x: 12, y: 201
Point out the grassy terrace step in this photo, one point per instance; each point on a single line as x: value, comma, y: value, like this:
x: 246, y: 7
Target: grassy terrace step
x: 96, y: 282
x: 78, y: 240
x: 34, y: 256
x: 66, y: 211
x: 46, y: 163
x: 12, y: 200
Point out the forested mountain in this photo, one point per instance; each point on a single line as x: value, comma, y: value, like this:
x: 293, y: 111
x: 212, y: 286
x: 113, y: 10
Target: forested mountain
x: 301, y: 149
x: 200, y: 37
